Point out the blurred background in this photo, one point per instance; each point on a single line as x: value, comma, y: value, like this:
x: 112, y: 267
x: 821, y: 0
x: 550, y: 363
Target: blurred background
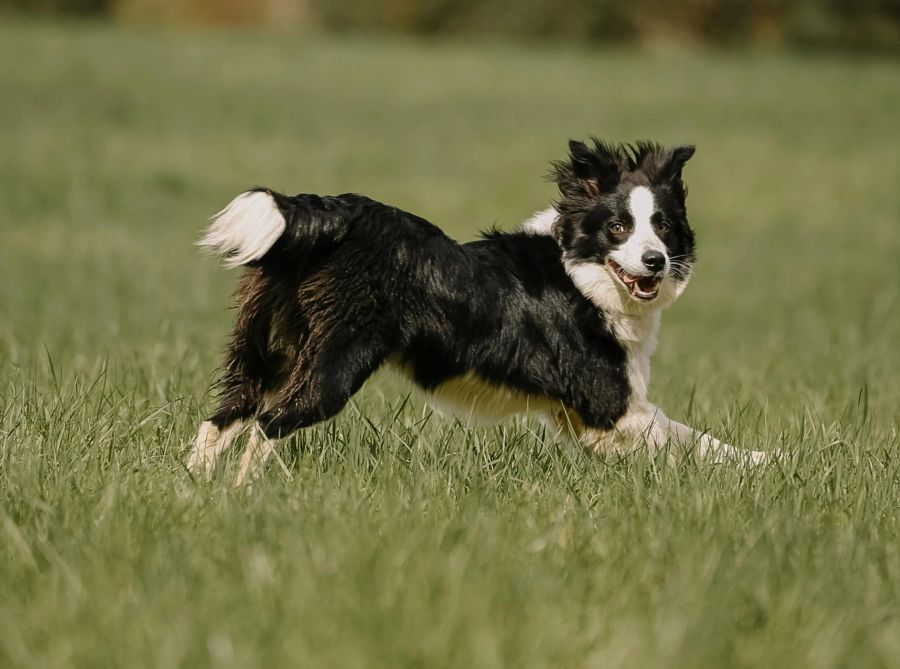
x: 845, y: 24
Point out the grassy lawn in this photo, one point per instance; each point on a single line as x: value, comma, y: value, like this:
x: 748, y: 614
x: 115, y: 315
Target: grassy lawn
x: 399, y: 538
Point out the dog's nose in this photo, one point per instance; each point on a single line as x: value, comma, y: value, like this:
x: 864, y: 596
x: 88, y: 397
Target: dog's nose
x: 654, y: 260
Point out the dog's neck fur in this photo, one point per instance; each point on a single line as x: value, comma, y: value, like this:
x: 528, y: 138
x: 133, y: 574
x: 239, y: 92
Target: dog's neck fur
x: 638, y: 334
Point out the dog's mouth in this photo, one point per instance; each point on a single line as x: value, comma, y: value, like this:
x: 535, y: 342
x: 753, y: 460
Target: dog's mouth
x: 639, y: 287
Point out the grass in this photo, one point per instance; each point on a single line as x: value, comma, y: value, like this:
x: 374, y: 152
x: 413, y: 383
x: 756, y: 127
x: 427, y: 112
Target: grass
x: 403, y: 539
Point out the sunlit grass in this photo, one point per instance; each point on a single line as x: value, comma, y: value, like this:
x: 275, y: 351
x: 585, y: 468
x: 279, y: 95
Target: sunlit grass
x: 397, y: 537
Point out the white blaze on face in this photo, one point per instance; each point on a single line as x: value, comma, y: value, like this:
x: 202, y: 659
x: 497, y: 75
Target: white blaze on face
x: 641, y: 205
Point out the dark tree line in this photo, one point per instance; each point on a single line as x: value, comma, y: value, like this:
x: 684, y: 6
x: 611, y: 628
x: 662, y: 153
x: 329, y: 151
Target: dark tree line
x: 866, y: 24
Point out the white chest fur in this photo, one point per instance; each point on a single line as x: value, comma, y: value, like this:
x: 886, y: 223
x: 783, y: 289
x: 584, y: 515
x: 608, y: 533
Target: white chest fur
x: 638, y: 334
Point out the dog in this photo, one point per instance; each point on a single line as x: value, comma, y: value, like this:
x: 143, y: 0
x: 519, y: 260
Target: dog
x: 559, y: 317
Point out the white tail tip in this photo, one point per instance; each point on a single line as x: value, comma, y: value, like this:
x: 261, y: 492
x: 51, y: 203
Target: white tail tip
x: 244, y: 230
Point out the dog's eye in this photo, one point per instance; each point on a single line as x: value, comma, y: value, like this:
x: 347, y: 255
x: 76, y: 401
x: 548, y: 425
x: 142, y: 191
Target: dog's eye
x: 616, y: 228
x: 663, y: 225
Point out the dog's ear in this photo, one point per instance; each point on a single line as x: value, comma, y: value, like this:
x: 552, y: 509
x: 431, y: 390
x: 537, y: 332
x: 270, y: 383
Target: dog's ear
x: 675, y: 162
x: 595, y: 170
x: 581, y: 159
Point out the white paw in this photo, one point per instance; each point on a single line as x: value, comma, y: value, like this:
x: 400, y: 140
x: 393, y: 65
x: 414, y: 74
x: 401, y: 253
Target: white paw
x: 199, y: 466
x: 202, y: 458
x: 762, y: 457
x: 757, y: 457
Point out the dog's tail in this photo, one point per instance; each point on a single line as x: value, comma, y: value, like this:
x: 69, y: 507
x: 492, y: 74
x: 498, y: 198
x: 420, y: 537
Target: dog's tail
x: 260, y: 224
x: 246, y: 229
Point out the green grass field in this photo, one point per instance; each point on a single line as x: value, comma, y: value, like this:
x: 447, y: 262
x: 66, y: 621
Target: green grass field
x: 402, y: 539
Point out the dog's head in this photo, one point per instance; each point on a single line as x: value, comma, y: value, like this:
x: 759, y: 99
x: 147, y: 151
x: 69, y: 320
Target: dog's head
x: 623, y: 225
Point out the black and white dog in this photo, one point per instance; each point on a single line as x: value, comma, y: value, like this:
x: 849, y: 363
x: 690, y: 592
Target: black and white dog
x: 559, y: 317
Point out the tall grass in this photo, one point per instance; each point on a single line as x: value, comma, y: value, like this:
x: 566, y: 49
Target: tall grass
x: 395, y: 537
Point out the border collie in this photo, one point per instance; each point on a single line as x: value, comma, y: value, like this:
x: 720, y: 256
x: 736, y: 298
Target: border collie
x: 559, y: 317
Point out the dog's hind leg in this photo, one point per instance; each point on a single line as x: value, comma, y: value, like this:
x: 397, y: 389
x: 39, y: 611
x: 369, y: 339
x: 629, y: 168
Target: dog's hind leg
x: 239, y: 402
x: 319, y: 387
x: 257, y: 452
x: 209, y: 444
x: 249, y: 369
x: 319, y: 392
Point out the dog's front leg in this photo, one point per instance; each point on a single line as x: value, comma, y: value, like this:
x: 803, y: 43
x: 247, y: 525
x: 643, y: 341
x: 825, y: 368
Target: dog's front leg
x: 648, y: 425
x: 707, y: 446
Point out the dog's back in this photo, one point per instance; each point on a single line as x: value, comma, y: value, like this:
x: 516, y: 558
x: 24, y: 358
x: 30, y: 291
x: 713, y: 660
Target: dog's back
x: 262, y: 227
